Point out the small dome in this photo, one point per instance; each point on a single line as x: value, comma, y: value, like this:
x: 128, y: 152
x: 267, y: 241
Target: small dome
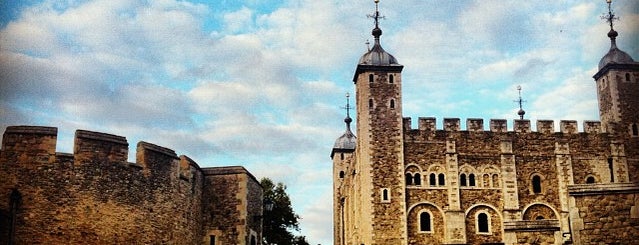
x: 615, y: 56
x: 346, y: 142
x: 377, y: 56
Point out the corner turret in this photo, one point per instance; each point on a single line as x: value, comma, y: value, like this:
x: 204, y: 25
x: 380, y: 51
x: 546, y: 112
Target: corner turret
x: 617, y: 87
x: 348, y: 141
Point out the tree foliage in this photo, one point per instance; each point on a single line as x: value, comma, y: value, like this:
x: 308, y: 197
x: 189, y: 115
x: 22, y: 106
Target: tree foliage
x: 281, y: 220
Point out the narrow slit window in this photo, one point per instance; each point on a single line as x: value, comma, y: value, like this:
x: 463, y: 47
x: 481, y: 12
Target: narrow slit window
x: 627, y: 77
x: 612, y: 174
x: 370, y: 103
x: 385, y: 195
x: 341, y: 174
x: 371, y: 77
x: 635, y: 130
x: 392, y: 104
x: 391, y: 79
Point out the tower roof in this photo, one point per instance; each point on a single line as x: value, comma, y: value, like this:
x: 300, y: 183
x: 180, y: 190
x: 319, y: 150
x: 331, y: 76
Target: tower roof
x: 347, y: 142
x: 614, y: 55
x: 377, y: 56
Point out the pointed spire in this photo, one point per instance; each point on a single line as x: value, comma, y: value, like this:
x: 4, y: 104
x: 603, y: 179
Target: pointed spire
x: 521, y: 111
x: 376, y: 16
x: 610, y: 18
x: 348, y: 120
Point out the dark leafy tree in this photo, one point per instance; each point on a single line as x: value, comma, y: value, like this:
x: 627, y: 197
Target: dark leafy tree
x: 300, y: 240
x: 281, y: 220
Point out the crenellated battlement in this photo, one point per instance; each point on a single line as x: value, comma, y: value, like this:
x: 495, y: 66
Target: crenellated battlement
x: 95, y: 195
x: 36, y: 145
x: 475, y: 125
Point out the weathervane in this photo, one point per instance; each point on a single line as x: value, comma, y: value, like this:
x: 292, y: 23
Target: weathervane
x: 348, y: 105
x: 376, y: 15
x: 521, y: 111
x: 610, y: 17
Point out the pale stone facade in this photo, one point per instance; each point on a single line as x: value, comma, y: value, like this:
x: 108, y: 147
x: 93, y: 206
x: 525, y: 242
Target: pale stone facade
x: 394, y: 184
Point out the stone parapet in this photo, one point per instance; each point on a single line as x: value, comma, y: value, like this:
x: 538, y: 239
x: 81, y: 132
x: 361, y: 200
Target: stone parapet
x: 428, y: 124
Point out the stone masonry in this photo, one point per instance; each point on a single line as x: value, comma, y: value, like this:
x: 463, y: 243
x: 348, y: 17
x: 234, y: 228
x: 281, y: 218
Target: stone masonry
x: 94, y: 196
x: 485, y: 184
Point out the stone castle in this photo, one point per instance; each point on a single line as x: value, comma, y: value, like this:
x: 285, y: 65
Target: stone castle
x: 394, y: 184
x: 94, y: 196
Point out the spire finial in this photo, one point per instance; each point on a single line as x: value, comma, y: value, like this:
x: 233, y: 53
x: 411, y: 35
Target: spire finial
x: 348, y: 108
x: 610, y: 18
x: 376, y: 31
x: 521, y: 111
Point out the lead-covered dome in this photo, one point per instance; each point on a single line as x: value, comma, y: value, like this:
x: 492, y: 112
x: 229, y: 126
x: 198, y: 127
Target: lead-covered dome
x: 377, y: 56
x: 348, y: 140
x: 615, y: 55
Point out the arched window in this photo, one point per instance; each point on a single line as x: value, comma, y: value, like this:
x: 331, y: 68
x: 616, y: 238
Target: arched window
x: 370, y: 103
x: 471, y: 180
x: 392, y: 104
x: 417, y: 179
x: 483, y: 223
x: 442, y: 179
x: 425, y: 222
x: 627, y: 77
x: 341, y: 174
x: 536, y: 184
x: 462, y: 179
x: 635, y: 130
x: 432, y: 180
x: 371, y: 78
x: 486, y: 181
x: 495, y: 180
x: 385, y: 195
x: 391, y: 79
x: 409, y: 179
x: 341, y: 156
x: 590, y: 180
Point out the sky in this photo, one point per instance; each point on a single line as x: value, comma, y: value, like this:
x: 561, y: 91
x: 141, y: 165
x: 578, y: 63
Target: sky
x: 262, y: 83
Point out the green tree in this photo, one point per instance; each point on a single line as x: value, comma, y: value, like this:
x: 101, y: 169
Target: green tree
x: 281, y: 220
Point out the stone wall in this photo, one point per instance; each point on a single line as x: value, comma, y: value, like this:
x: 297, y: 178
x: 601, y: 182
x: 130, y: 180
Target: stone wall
x: 94, y: 196
x: 605, y: 213
x: 232, y: 205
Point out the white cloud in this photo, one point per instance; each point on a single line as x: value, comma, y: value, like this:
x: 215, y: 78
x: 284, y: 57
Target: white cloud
x: 209, y: 80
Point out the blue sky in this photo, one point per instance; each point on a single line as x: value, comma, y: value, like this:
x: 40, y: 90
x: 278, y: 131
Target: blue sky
x: 260, y: 83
